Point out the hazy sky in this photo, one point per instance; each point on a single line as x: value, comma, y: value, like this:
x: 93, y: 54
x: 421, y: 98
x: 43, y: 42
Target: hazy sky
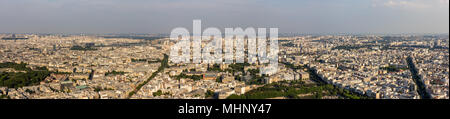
x: 161, y: 16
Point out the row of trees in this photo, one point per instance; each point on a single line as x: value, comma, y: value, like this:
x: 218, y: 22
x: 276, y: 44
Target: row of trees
x: 421, y: 88
x: 138, y: 60
x: 146, y: 60
x: 115, y: 73
x: 164, y: 64
x: 76, y: 47
x: 392, y: 68
x: 215, y: 67
x: 98, y: 89
x: 193, y: 77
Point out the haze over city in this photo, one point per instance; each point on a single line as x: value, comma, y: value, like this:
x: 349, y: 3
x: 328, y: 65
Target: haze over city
x: 161, y: 16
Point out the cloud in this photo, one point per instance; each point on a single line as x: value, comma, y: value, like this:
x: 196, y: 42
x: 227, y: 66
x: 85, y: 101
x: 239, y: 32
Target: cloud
x: 411, y: 4
x: 400, y: 3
